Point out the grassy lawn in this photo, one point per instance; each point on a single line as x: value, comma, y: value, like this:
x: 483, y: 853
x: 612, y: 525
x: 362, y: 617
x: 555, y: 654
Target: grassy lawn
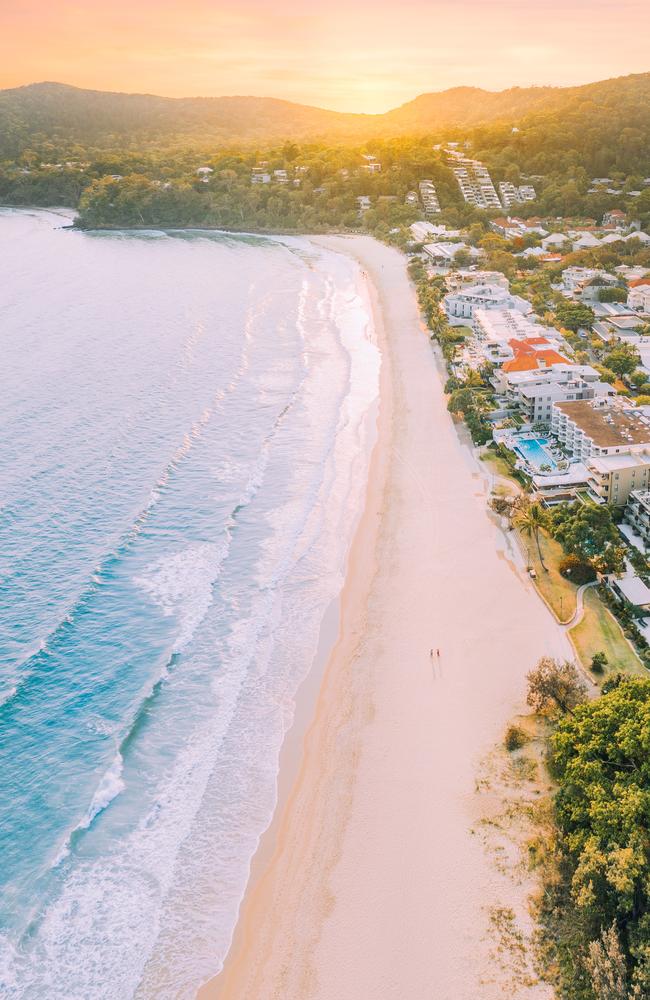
x: 559, y: 593
x: 599, y: 631
x: 499, y: 466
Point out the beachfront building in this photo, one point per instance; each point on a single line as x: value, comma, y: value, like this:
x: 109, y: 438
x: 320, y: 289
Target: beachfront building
x: 444, y: 253
x: 495, y: 325
x: 601, y: 426
x: 536, y: 398
x: 510, y: 383
x: 463, y: 276
x: 502, y: 332
x: 460, y: 305
x: 533, y: 354
x: 612, y: 478
x: 637, y: 513
x: 425, y: 230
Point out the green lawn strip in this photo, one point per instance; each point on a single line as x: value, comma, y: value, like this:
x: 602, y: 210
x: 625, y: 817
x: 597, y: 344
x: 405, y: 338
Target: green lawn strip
x: 559, y: 593
x: 598, y: 631
x: 499, y: 466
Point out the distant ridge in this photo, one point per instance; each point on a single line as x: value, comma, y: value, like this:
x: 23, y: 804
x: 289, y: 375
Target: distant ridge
x: 66, y: 113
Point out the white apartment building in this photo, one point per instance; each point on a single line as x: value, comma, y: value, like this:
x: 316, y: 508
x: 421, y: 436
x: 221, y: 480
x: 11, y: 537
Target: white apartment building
x: 612, y: 478
x: 475, y: 183
x: 429, y: 198
x: 637, y: 514
x: 503, y: 324
x: 510, y: 194
x: 510, y: 383
x: 421, y: 230
x: 445, y: 253
x: 600, y: 427
x: 461, y: 304
x: 536, y: 400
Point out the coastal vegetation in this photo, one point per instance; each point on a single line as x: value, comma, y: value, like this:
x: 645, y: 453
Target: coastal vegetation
x: 594, y: 859
x: 132, y: 160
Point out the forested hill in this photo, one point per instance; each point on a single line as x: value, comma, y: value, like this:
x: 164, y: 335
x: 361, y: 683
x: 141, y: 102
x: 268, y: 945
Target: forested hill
x: 50, y: 112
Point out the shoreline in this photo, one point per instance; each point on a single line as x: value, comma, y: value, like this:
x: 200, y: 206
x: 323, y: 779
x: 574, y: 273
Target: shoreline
x: 333, y: 629
x: 376, y: 886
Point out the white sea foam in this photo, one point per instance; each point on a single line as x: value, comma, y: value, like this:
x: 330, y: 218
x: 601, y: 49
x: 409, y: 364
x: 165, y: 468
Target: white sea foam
x: 108, y: 788
x: 154, y: 910
x: 181, y: 585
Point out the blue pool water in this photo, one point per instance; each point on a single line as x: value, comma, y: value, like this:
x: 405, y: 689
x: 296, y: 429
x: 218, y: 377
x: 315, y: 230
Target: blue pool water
x: 534, y: 451
x: 185, y: 425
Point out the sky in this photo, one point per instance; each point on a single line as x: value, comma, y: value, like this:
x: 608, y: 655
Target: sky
x: 349, y: 55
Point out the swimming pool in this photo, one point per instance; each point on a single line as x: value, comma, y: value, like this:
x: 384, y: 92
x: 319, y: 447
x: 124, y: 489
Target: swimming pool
x: 534, y: 450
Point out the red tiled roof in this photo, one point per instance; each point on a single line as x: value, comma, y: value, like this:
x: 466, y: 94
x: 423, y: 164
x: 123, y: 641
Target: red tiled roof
x: 639, y: 281
x: 530, y: 362
x: 527, y: 345
x: 522, y: 363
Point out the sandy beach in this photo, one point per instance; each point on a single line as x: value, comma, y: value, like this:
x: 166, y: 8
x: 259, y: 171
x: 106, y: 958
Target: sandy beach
x: 376, y: 885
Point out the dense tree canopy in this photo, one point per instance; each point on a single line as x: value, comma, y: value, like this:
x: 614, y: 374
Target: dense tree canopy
x: 601, y: 759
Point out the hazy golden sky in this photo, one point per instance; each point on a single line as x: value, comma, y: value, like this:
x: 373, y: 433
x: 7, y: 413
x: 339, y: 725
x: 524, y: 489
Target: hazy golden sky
x: 352, y: 55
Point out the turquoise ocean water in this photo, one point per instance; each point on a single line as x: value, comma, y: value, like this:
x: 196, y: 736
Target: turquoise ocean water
x: 184, y: 438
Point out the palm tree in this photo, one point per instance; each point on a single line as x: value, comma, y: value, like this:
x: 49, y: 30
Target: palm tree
x: 473, y: 379
x: 529, y: 518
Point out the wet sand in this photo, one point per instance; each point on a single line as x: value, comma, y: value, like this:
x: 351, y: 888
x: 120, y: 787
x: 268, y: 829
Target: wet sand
x: 377, y: 887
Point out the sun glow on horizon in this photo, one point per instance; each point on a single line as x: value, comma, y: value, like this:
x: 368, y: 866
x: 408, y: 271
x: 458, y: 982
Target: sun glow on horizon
x: 363, y: 58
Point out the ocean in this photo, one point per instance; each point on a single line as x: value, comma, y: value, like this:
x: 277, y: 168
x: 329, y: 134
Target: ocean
x: 186, y: 421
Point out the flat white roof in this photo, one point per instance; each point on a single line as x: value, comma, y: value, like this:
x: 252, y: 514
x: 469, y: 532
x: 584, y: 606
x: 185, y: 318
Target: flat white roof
x: 609, y: 463
x: 634, y: 589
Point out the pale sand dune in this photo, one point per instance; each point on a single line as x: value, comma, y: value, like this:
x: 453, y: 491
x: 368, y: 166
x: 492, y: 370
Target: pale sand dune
x: 378, y: 889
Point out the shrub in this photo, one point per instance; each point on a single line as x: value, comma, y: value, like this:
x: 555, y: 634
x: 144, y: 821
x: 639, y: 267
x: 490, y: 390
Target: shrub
x: 515, y: 738
x: 578, y: 570
x: 599, y: 662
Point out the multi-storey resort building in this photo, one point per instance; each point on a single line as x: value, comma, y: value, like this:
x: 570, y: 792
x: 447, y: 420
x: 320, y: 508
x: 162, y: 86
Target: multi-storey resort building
x: 429, y: 198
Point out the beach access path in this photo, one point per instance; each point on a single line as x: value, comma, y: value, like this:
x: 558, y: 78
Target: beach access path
x: 378, y: 887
